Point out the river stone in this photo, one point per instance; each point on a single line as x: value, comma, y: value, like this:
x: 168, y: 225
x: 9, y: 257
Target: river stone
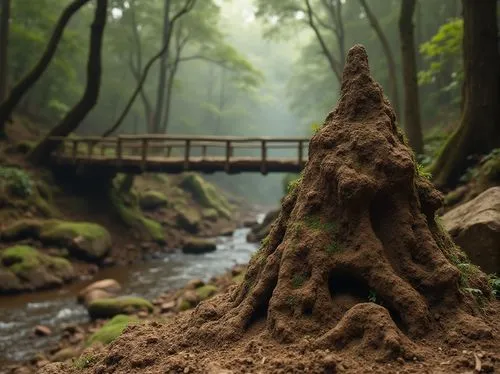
x: 199, y: 246
x: 107, y: 308
x: 41, y: 330
x: 151, y: 200
x: 65, y: 354
x: 259, y: 232
x: 110, y: 286
x: 475, y: 226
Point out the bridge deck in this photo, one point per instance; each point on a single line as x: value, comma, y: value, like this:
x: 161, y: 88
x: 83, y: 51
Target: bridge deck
x: 157, y: 153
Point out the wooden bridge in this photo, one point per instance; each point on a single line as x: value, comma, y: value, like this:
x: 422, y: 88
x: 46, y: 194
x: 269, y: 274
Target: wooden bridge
x: 136, y: 154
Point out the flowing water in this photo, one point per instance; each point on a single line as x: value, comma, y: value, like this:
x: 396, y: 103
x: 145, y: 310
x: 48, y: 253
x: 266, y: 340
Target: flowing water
x: 57, y: 309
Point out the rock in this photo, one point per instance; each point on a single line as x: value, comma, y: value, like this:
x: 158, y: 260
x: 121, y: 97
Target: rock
x: 42, y: 330
x: 167, y: 307
x: 65, y: 354
x: 199, y: 246
x: 187, y: 218
x: 206, y: 291
x: 109, y: 286
x: 210, y: 214
x: 194, y: 283
x: 475, y: 226
x: 111, y: 329
x: 107, y: 308
x: 250, y: 224
x: 152, y: 200
x: 259, y: 232
x: 227, y: 232
x: 191, y: 296
x: 94, y: 295
x: 27, y: 269
x: 142, y: 314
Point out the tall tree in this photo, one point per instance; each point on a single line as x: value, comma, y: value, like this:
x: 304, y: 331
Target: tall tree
x: 76, y: 115
x: 20, y: 89
x: 412, y: 121
x: 4, y: 40
x: 479, y: 129
x: 391, y: 63
x: 323, y: 17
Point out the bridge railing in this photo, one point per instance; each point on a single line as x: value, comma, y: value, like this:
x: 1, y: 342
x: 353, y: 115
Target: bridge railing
x: 152, y: 146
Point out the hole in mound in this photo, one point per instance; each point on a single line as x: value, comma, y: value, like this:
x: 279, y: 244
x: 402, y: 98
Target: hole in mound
x: 344, y: 283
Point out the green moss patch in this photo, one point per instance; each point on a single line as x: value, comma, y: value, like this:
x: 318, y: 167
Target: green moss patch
x: 111, y: 330
x: 206, y: 194
x: 206, y: 291
x: 127, y: 208
x: 151, y: 200
x: 188, y: 218
x: 110, y: 307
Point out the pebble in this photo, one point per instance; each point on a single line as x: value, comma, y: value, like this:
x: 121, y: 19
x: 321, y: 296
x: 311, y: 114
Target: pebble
x: 41, y: 330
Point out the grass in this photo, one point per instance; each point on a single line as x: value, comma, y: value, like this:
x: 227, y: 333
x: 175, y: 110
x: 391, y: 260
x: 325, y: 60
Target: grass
x: 21, y: 258
x: 206, y: 291
x: 85, y: 362
x: 333, y: 247
x: 314, y: 222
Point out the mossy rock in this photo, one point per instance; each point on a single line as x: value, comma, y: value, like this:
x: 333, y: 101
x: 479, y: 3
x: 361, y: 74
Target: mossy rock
x: 107, y: 308
x: 111, y: 330
x: 206, y: 291
x: 199, y: 246
x: 86, y: 240
x: 127, y: 208
x: 26, y: 268
x: 151, y: 200
x: 206, y: 194
x: 210, y: 214
x: 188, y: 218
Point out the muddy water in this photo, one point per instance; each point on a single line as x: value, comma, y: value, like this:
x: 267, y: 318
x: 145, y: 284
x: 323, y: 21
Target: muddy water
x: 57, y: 309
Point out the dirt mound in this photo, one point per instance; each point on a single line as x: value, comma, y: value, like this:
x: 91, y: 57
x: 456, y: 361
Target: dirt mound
x: 355, y: 264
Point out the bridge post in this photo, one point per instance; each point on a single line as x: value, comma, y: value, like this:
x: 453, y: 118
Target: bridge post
x: 75, y: 150
x: 186, y: 154
x: 90, y: 149
x: 119, y: 147
x: 263, y: 165
x: 227, y: 166
x: 144, y: 153
x: 301, y: 153
x: 203, y: 152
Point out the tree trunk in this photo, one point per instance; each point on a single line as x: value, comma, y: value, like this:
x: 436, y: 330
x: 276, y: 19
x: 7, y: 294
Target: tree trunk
x: 162, y: 80
x: 4, y: 41
x: 73, y: 118
x: 17, y: 93
x: 479, y: 130
x: 391, y: 64
x: 412, y: 121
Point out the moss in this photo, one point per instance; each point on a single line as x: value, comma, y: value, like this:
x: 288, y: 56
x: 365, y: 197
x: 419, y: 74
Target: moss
x: 206, y: 291
x: 127, y: 209
x: 315, y: 222
x: 333, y: 247
x: 188, y: 218
x: 16, y: 182
x: 85, y: 362
x: 151, y: 200
x: 298, y: 280
x: 111, y: 330
x: 110, y: 307
x: 210, y: 214
x: 22, y: 229
x: 239, y: 278
x: 21, y: 259
x: 206, y: 194
x: 185, y: 305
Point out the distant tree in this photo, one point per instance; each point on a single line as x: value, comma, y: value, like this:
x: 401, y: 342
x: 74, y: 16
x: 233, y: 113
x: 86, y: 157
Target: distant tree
x: 20, y: 89
x: 391, y: 63
x: 4, y: 40
x: 75, y: 116
x: 411, y: 120
x: 479, y: 129
x: 323, y: 17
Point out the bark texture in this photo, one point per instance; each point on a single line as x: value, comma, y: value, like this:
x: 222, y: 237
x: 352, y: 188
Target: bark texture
x: 479, y: 129
x: 412, y: 121
x: 75, y: 116
x: 358, y: 226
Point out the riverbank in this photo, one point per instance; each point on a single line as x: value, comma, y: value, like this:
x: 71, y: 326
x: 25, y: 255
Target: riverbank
x: 162, y: 280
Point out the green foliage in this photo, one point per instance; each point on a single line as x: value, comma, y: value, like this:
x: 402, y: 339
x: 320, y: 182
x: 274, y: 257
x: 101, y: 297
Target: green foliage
x: 372, y: 296
x: 422, y: 171
x: 495, y: 285
x: 298, y: 280
x: 315, y: 222
x: 111, y: 330
x: 206, y: 291
x: 16, y: 181
x: 84, y: 362
x: 290, y: 182
x: 107, y: 308
x: 333, y: 247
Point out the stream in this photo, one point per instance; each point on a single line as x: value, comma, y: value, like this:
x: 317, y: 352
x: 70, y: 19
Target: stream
x: 58, y: 308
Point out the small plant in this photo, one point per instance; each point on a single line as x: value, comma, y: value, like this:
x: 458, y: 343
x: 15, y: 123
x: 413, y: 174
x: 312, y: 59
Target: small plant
x: 16, y: 181
x: 84, y: 362
x: 372, y: 296
x: 421, y: 171
x: 298, y: 280
x: 314, y: 223
x: 495, y: 285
